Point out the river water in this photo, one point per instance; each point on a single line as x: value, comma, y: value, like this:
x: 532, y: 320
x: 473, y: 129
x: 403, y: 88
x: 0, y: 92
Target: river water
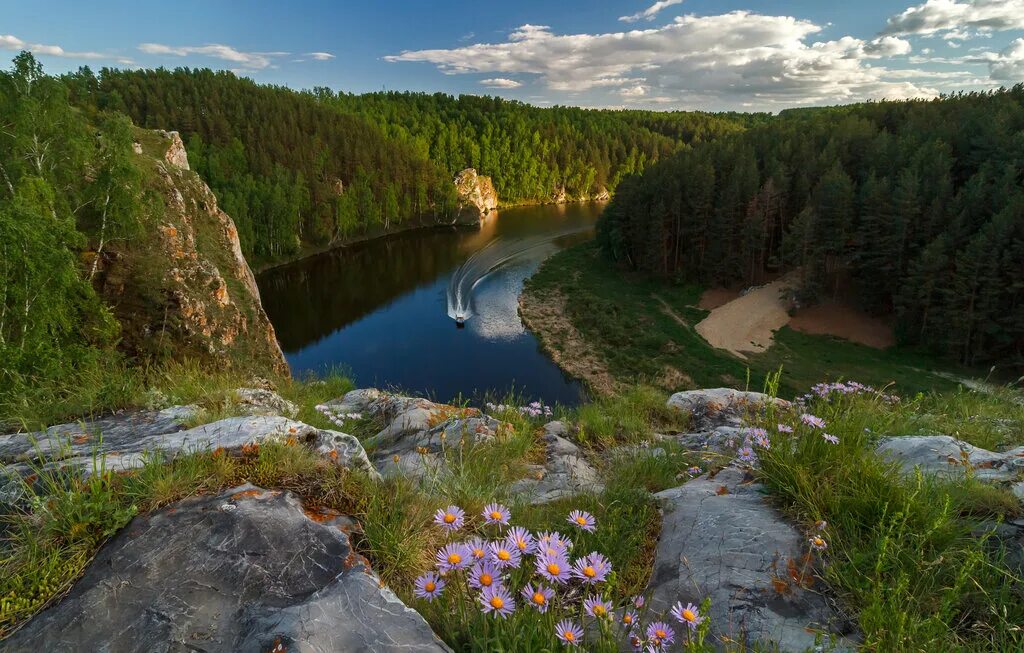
x: 383, y: 311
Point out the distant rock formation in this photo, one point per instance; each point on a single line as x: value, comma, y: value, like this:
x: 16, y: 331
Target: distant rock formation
x: 477, y: 196
x: 183, y: 289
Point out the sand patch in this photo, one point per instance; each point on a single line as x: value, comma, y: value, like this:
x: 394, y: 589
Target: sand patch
x: 746, y: 324
x: 843, y: 321
x: 712, y: 298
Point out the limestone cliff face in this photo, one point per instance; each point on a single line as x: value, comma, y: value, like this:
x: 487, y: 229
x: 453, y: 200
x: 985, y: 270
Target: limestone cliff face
x: 183, y: 289
x: 477, y: 196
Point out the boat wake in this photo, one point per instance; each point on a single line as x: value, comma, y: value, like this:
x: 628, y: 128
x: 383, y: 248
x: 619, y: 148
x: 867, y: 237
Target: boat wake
x: 493, y: 256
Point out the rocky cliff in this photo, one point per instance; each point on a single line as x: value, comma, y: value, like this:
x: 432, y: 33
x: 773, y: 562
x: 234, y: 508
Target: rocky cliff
x: 477, y: 196
x: 183, y: 289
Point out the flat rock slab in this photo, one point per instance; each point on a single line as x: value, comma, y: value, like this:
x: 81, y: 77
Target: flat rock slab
x: 720, y: 539
x: 565, y: 472
x: 947, y: 457
x: 244, y: 571
x: 715, y: 407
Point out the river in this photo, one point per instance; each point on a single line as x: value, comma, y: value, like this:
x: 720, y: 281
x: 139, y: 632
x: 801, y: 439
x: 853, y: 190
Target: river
x: 383, y: 311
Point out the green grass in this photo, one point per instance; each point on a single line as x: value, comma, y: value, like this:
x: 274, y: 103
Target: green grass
x: 625, y: 418
x: 903, y: 556
x: 623, y: 317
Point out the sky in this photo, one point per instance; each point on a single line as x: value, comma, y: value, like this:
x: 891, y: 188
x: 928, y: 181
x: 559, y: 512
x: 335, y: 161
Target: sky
x: 745, y: 55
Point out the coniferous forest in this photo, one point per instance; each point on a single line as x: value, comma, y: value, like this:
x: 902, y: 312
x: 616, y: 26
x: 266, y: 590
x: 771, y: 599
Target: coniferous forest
x: 915, y: 208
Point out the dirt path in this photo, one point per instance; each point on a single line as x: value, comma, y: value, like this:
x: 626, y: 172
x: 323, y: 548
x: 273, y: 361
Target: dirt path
x: 745, y: 324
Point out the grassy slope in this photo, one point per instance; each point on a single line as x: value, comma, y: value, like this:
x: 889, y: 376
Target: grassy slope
x: 624, y: 317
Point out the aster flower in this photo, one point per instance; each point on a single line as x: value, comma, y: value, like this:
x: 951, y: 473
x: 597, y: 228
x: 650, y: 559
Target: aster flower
x: 496, y: 600
x: 629, y: 619
x: 555, y: 568
x: 784, y: 428
x: 454, y: 556
x: 583, y: 520
x: 553, y: 543
x: 818, y: 543
x: 504, y: 555
x: 569, y: 632
x: 592, y: 569
x: 811, y: 420
x: 485, y: 574
x: 694, y: 471
x: 762, y: 441
x: 521, y: 539
x: 429, y: 586
x: 660, y: 633
x: 746, y: 454
x: 495, y: 513
x: 451, y: 518
x: 820, y: 525
x: 831, y: 439
x: 688, y: 615
x: 596, y: 607
x: 477, y: 547
x: 639, y: 601
x: 538, y: 596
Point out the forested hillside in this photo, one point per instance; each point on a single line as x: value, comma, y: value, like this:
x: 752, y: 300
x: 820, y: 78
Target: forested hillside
x: 915, y: 207
x: 287, y: 168
x: 534, y: 154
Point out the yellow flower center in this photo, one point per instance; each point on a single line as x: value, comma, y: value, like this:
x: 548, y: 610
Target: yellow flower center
x: 689, y: 616
x: 486, y: 580
x: 661, y: 634
x: 454, y: 559
x: 478, y: 553
x: 589, y: 572
x: 627, y: 619
x: 430, y: 586
x: 538, y: 598
x: 582, y: 521
x: 554, y: 569
x: 818, y: 541
x: 521, y: 544
x: 504, y: 555
x: 496, y: 515
x: 569, y: 636
x: 449, y: 518
x: 497, y: 603
x: 599, y: 610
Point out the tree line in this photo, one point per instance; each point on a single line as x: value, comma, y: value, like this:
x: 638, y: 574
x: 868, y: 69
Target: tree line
x: 915, y: 208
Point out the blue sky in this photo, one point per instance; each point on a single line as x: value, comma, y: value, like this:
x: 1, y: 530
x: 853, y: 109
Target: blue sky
x: 666, y: 54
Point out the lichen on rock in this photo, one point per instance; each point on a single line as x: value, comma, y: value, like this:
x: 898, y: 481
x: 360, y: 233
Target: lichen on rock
x: 477, y: 196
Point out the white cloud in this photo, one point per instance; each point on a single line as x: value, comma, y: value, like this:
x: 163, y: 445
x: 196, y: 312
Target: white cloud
x: 500, y: 82
x: 1008, y: 65
x: 734, y: 58
x: 11, y: 42
x: 959, y: 15
x: 651, y: 11
x: 246, y: 60
x: 320, y: 56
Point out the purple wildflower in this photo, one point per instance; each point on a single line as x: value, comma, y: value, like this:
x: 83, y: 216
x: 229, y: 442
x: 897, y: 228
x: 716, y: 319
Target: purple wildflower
x: 454, y: 556
x: 553, y: 543
x: 784, y: 428
x: 830, y: 438
x: 811, y: 420
x: 477, y: 547
x: 595, y: 607
x: 495, y: 513
x: 505, y: 556
x: 583, y: 520
x: 592, y: 569
x: 746, y: 454
x: 569, y: 632
x: 521, y: 539
x: 660, y: 634
x: 485, y: 574
x: 688, y: 615
x: 451, y: 518
x: 694, y: 471
x: 818, y: 543
x: 497, y: 600
x: 555, y: 568
x: 429, y: 586
x: 638, y: 601
x: 538, y: 596
x: 629, y: 619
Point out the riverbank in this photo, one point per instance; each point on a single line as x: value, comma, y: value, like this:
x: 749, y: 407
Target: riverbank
x: 638, y: 330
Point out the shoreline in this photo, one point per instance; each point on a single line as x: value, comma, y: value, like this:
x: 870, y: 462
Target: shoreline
x: 308, y: 252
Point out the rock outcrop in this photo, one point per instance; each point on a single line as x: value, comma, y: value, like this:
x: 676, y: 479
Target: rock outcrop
x: 720, y: 539
x: 947, y: 457
x: 477, y: 196
x: 247, y: 571
x: 716, y: 407
x: 565, y: 472
x: 183, y: 289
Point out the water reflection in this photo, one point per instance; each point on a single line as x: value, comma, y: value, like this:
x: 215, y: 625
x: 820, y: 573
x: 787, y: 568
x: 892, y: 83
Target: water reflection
x: 380, y: 308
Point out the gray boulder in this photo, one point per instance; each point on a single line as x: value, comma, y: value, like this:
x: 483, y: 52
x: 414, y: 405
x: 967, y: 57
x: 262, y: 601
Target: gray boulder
x: 247, y: 571
x: 721, y: 540
x: 258, y: 401
x: 947, y: 457
x: 720, y: 406
x: 565, y: 472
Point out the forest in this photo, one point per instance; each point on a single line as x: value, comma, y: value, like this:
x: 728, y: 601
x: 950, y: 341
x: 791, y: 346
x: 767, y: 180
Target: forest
x: 320, y: 168
x: 913, y: 209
